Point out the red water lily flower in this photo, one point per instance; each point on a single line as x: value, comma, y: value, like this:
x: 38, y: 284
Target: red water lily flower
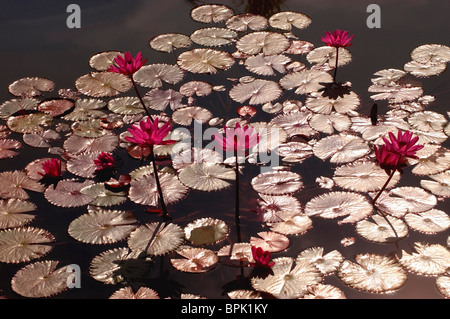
x: 149, y: 134
x: 337, y: 39
x: 104, y: 161
x: 261, y: 257
x: 397, y: 149
x: 52, y: 168
x: 127, y: 65
x: 237, y: 139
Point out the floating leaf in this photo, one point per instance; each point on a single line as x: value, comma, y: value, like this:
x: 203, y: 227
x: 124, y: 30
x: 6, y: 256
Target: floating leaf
x: 245, y: 21
x: 110, y: 267
x: 83, y: 164
x: 29, y: 123
x: 103, y: 60
x: 144, y: 191
x: 267, y: 65
x: 24, y: 244
x: 127, y: 105
x: 256, y: 92
x: 426, y: 259
x: 205, y: 61
x: 326, y: 263
x: 185, y: 115
x: 363, y: 176
x: 325, y: 105
x: 15, y: 212
x: 295, y: 123
x: 270, y: 241
x: 382, y: 229
x: 103, y: 226
x: 55, y: 107
x: 431, y: 53
x: 196, y: 260
x: 373, y: 273
x: 103, y: 84
x: 326, y: 56
x: 299, y: 47
x: 285, y: 20
x: 103, y: 196
x: 244, y: 294
x: 206, y: 176
x: 427, y: 121
x: 41, y: 139
x: 277, y: 183
x: 86, y: 109
x: 443, y: 286
x: 429, y: 222
x: 267, y: 43
x: 321, y: 291
x: 7, y: 147
x: 41, y: 279
x: 417, y: 199
x: 198, y: 88
x: 68, y: 193
x: 236, y: 255
x: 329, y: 124
x: 388, y: 77
x: 439, y: 185
x: 306, y: 81
x: 431, y: 163
x: 292, y: 223
x: 337, y: 204
x: 341, y: 148
x: 75, y: 144
x: 206, y: 231
x: 213, y: 37
x: 195, y: 155
x: 287, y: 281
x: 156, y: 238
x: 14, y: 184
x: 424, y: 70
x: 211, y: 13
x: 31, y: 86
x: 269, y: 207
x: 153, y: 75
x: 141, y: 293
x: 159, y: 99
x: 10, y: 107
x: 395, y: 94
x: 170, y: 41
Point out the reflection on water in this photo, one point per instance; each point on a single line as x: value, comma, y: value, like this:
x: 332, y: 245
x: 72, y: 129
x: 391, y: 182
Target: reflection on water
x: 39, y: 45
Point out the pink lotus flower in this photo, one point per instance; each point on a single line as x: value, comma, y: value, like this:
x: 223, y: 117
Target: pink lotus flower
x: 52, y: 168
x: 396, y: 150
x: 149, y: 134
x: 337, y: 39
x: 126, y: 64
x: 104, y: 161
x: 237, y: 139
x: 261, y: 257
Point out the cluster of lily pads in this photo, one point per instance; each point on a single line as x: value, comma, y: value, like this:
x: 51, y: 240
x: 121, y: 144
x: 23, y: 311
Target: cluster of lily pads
x: 271, y: 74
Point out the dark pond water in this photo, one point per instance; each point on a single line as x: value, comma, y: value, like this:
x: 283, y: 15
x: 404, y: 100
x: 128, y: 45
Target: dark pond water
x: 35, y: 41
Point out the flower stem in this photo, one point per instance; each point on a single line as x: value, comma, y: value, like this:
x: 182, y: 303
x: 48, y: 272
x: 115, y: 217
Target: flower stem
x: 384, y: 186
x: 237, y: 217
x: 158, y: 185
x: 336, y: 64
x: 141, y: 99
